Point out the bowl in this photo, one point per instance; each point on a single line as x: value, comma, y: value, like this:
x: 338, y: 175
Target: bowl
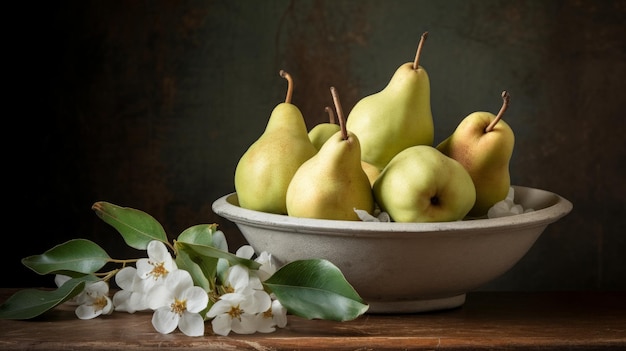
x: 404, y: 267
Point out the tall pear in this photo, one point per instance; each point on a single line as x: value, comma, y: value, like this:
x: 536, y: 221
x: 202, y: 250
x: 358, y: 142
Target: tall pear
x: 397, y: 117
x: 332, y: 184
x: 483, y: 144
x: 264, y: 171
x: 321, y: 132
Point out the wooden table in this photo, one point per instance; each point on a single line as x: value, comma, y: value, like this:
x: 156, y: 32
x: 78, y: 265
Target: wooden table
x: 488, y: 320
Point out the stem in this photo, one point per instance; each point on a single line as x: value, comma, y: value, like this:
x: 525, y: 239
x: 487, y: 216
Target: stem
x: 289, y: 86
x: 416, y: 62
x: 342, y: 122
x: 505, y: 105
x: 331, y: 115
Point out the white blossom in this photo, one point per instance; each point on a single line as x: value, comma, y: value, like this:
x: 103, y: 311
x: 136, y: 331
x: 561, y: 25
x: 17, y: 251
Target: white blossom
x: 94, y: 301
x: 178, y: 303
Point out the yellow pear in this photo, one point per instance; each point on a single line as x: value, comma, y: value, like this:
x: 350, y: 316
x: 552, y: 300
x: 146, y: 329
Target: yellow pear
x: 321, y: 132
x: 332, y: 184
x: 396, y: 117
x: 372, y: 171
x: 421, y: 184
x: 483, y: 144
x: 264, y: 171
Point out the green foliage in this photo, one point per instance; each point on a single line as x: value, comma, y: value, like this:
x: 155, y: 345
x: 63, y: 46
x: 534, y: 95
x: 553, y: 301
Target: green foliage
x: 316, y: 289
x: 308, y: 288
x: 74, y: 256
x: 30, y: 303
x: 136, y: 227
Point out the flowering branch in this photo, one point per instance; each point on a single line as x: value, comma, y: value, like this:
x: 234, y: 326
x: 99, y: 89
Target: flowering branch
x: 185, y: 283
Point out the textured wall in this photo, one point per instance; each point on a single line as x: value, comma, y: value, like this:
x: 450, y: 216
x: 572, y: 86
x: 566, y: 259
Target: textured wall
x: 150, y: 104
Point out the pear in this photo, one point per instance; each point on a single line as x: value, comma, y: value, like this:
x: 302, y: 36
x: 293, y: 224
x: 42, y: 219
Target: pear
x: 483, y: 144
x: 397, y: 117
x: 372, y: 171
x: 421, y: 184
x: 332, y: 184
x: 321, y: 132
x: 265, y: 169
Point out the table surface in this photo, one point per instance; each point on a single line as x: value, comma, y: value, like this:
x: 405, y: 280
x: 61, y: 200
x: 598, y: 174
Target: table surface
x: 487, y: 320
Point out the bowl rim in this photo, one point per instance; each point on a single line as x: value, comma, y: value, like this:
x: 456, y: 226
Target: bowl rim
x: 559, y: 207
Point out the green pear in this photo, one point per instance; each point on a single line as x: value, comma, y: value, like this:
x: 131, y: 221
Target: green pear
x: 421, y: 184
x: 332, y: 184
x: 264, y: 171
x: 397, y: 117
x: 483, y: 144
x: 372, y: 171
x: 321, y: 132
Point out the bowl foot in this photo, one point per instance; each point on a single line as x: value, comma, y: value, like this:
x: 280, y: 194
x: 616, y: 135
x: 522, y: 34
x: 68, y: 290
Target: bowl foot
x: 416, y: 306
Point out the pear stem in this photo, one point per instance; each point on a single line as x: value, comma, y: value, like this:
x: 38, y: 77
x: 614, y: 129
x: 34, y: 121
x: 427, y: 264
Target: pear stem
x: 289, y: 85
x: 340, y: 117
x: 505, y: 104
x: 416, y: 62
x: 331, y: 115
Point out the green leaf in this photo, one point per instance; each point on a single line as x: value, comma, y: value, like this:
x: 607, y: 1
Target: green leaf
x: 210, y: 251
x: 136, y: 227
x: 30, y: 303
x: 201, y: 234
x: 76, y: 255
x: 202, y: 269
x: 316, y: 289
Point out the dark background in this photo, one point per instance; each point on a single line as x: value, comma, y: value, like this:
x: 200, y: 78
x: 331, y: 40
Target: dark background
x: 150, y: 104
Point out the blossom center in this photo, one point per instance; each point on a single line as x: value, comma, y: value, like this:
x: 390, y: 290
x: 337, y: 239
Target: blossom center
x: 158, y: 270
x: 179, y: 306
x: 235, y: 312
x: 99, y: 303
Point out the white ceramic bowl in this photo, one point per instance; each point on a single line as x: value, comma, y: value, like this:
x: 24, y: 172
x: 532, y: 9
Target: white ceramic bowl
x: 404, y: 267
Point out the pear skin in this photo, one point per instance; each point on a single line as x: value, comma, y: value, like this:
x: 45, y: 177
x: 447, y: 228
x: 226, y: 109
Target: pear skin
x: 397, y: 117
x: 264, y: 171
x: 372, y: 171
x: 483, y: 143
x: 332, y: 184
x: 323, y: 131
x: 421, y: 184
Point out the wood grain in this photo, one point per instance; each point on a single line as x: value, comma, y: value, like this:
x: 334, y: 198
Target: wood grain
x: 487, y: 321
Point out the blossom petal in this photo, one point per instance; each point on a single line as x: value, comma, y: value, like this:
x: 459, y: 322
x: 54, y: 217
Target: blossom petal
x: 279, y: 314
x: 246, y: 324
x: 178, y: 281
x: 197, y: 299
x: 222, y: 324
x: 125, y: 277
x: 220, y: 307
x: 164, y: 320
x: 191, y: 324
x: 245, y: 251
x: 86, y: 311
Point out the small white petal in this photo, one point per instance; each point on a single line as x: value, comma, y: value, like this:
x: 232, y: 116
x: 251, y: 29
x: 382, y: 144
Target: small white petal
x: 246, y: 251
x: 125, y: 277
x: 221, y: 324
x: 191, y: 324
x: 164, y: 320
x: 60, y: 279
x: 160, y: 296
x: 87, y: 311
x: 197, y: 299
x: 238, y: 277
x: 179, y: 281
x: 245, y: 325
x: 279, y: 314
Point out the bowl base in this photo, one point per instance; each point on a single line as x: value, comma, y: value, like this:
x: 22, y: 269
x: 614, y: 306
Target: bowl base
x: 415, y: 306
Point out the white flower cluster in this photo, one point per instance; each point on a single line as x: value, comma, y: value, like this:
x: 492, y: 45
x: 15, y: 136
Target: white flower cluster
x: 507, y: 207
x: 157, y: 284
